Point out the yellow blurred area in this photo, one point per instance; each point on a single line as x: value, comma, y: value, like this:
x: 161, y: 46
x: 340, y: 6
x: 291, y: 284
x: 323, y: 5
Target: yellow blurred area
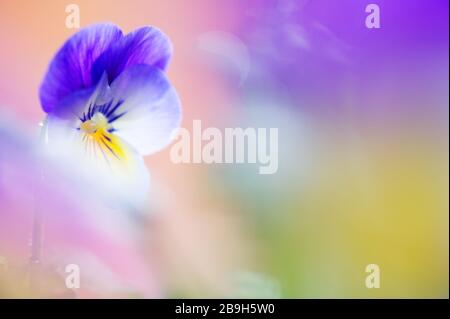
x: 376, y: 199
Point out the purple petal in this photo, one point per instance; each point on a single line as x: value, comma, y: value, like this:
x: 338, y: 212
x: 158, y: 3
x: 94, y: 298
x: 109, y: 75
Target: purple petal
x: 74, y: 105
x: 150, y: 112
x: 147, y: 45
x: 70, y: 69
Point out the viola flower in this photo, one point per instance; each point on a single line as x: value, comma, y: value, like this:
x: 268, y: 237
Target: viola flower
x: 108, y: 101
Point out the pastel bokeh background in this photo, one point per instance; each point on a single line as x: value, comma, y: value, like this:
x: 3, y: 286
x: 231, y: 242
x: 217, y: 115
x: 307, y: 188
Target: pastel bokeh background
x: 363, y: 150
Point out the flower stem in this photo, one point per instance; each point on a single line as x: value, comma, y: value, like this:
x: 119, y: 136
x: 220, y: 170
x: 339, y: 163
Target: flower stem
x: 37, y: 227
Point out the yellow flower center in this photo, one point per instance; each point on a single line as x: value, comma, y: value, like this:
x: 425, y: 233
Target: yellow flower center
x: 98, y: 121
x: 98, y: 138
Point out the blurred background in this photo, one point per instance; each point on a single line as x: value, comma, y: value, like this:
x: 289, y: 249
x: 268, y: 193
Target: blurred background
x: 362, y: 116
